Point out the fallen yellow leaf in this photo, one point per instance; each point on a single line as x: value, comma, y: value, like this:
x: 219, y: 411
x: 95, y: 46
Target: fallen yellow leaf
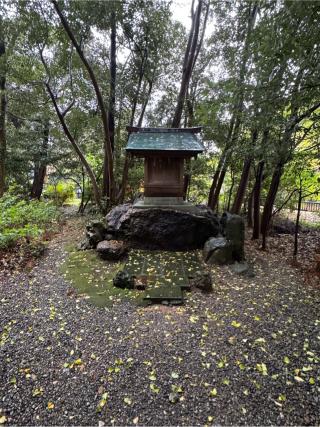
x: 50, y: 405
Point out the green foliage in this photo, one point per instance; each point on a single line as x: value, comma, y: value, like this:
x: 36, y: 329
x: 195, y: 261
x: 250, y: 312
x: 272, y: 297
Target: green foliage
x: 23, y: 220
x: 60, y: 192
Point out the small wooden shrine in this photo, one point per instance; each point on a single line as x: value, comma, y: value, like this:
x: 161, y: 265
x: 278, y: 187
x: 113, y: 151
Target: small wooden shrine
x: 165, y: 152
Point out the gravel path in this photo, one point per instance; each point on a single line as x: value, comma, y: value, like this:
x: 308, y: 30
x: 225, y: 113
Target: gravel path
x: 246, y: 354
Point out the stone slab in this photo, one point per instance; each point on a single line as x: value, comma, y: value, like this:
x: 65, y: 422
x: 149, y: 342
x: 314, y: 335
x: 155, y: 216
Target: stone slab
x: 164, y: 293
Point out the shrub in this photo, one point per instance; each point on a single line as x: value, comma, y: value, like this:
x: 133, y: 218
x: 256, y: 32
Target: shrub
x: 23, y: 220
x: 59, y: 193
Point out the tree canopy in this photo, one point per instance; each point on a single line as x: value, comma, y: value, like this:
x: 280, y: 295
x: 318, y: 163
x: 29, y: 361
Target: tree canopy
x: 74, y: 74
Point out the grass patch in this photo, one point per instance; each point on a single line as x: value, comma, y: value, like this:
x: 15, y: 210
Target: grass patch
x: 311, y: 225
x: 92, y: 276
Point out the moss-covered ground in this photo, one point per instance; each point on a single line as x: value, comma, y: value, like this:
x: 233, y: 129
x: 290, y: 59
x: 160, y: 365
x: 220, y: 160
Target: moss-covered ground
x: 93, y: 277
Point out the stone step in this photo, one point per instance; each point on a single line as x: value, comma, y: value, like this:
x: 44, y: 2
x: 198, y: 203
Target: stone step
x: 164, y: 294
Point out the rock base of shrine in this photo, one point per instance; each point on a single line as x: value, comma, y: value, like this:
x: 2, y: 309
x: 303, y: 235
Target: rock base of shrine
x: 163, y: 227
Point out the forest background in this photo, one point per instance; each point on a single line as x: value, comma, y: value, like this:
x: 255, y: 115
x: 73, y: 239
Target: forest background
x: 74, y: 74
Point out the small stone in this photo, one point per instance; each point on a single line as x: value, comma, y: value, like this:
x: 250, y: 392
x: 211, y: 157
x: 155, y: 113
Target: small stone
x: 108, y: 237
x: 243, y: 268
x: 202, y: 281
x: 173, y: 397
x: 95, y: 233
x: 84, y: 245
x: 123, y: 280
x: 217, y: 250
x: 112, y: 250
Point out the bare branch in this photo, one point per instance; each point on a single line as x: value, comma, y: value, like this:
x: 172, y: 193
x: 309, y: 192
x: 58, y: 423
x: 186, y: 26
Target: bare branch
x: 285, y: 202
x: 45, y: 65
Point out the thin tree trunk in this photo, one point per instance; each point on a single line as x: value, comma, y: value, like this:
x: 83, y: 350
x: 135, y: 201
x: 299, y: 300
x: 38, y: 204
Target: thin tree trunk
x: 104, y: 115
x: 112, y: 100
x: 268, y: 206
x: 230, y: 191
x: 186, y: 178
x: 189, y: 119
x: 215, y: 198
x: 296, y: 230
x: 138, y: 89
x: 242, y: 186
x: 125, y: 172
x: 77, y: 149
x: 236, y: 119
x: 215, y: 180
x: 3, y: 105
x: 80, y: 210
x: 188, y: 65
x: 144, y: 106
x: 244, y: 179
x: 127, y: 161
x: 249, y: 213
x: 40, y: 168
x: 113, y: 76
x: 256, y: 201
x: 212, y: 200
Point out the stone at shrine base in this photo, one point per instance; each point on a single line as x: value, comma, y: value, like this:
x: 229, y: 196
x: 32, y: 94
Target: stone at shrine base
x: 162, y: 228
x: 176, y: 203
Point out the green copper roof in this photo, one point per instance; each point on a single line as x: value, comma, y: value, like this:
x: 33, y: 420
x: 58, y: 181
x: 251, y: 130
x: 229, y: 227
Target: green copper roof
x: 164, y: 141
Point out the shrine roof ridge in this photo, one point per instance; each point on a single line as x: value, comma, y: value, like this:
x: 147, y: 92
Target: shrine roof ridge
x: 195, y: 129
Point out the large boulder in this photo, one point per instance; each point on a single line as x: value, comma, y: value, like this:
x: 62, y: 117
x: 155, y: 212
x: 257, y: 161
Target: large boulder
x: 163, y: 228
x: 112, y: 250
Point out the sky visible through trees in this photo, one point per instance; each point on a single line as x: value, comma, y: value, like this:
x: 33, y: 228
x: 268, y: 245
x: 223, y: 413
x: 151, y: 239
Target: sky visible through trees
x: 75, y: 74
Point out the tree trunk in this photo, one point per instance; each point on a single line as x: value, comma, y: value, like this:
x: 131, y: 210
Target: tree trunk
x: 83, y: 184
x: 230, y: 191
x: 236, y: 120
x: 138, y: 89
x: 3, y: 105
x: 268, y: 206
x: 244, y: 178
x: 40, y: 167
x: 256, y: 201
x: 296, y: 230
x: 144, y: 106
x: 249, y: 213
x: 112, y: 100
x: 188, y: 65
x: 212, y: 200
x: 127, y: 161
x: 215, y: 180
x: 242, y: 186
x: 104, y: 115
x: 95, y: 188
x: 215, y: 198
x: 186, y: 178
x: 113, y: 76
